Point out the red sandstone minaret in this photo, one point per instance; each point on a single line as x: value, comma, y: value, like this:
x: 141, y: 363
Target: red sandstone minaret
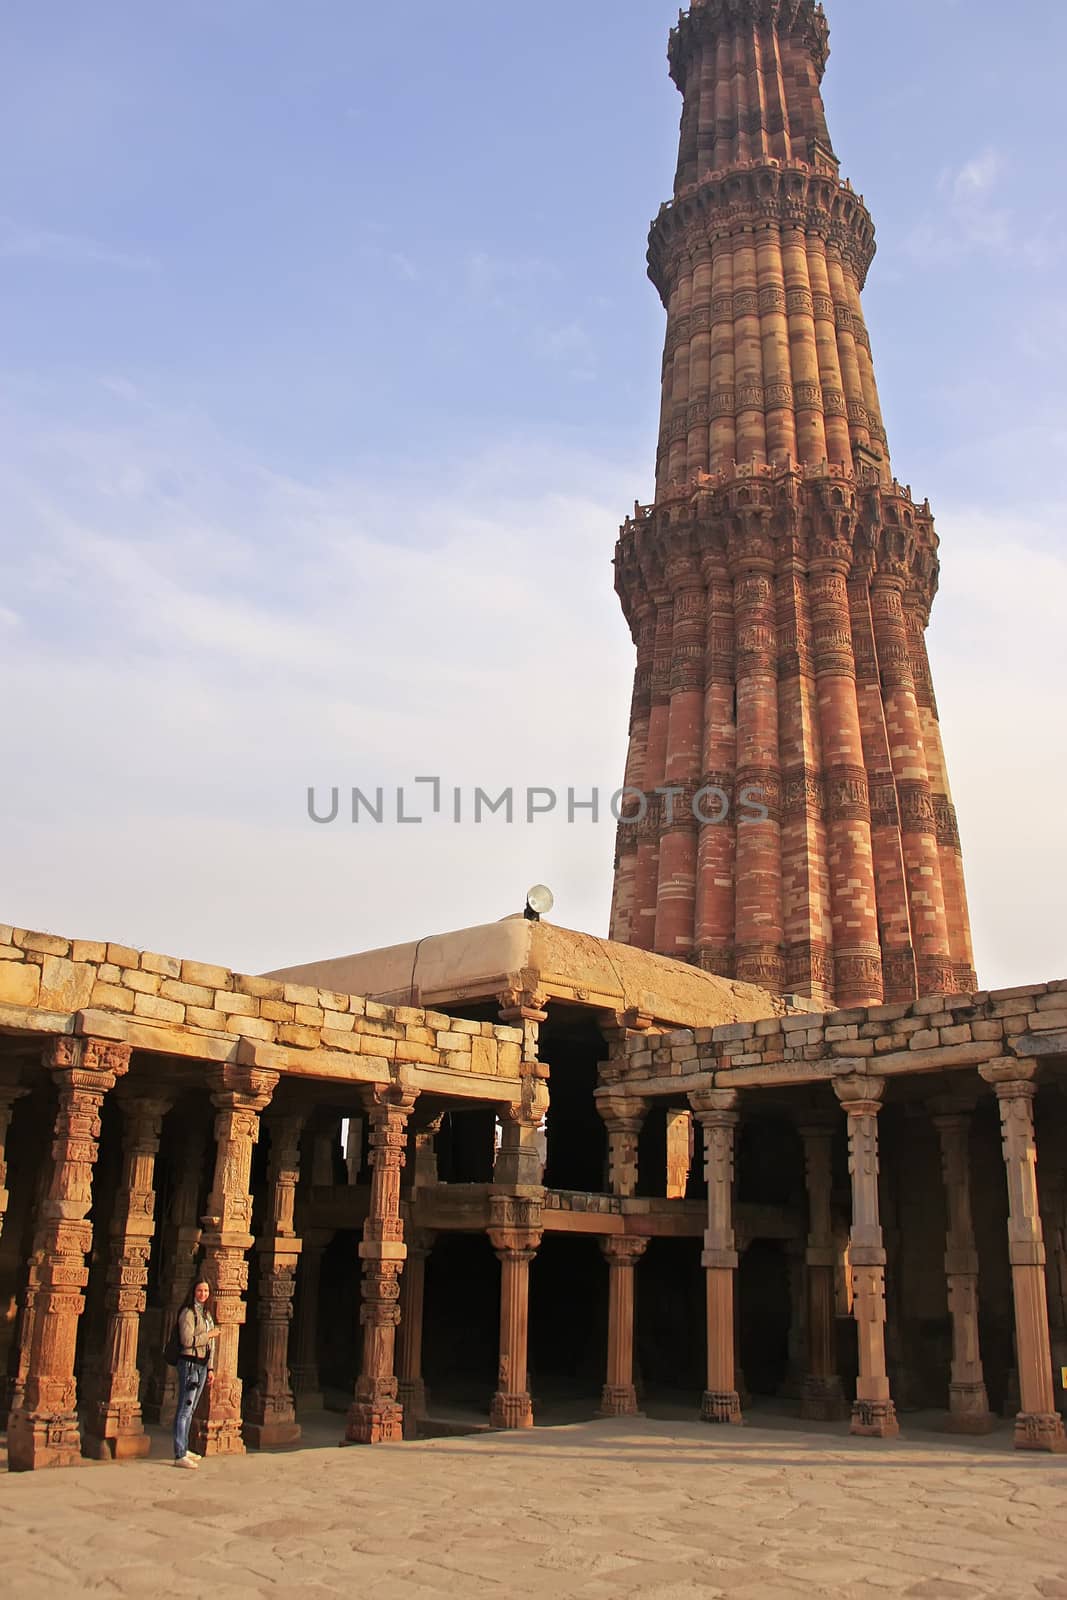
x: 779, y: 588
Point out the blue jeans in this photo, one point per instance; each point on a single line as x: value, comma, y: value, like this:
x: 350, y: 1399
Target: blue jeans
x: 192, y: 1376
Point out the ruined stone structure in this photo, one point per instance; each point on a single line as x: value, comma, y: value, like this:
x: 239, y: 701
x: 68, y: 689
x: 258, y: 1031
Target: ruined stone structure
x: 520, y: 1208
x: 790, y: 819
x: 575, y: 1172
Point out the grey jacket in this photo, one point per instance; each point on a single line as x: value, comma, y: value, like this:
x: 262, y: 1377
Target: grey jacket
x: 194, y: 1326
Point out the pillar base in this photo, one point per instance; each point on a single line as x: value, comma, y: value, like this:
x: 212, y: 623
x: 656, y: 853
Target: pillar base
x: 823, y: 1399
x: 116, y: 1447
x: 511, y: 1411
x: 221, y: 1438
x: 35, y: 1442
x: 271, y: 1435
x: 721, y: 1406
x: 1037, y: 1430
x: 874, y: 1419
x: 619, y: 1400
x: 968, y: 1409
x: 370, y: 1423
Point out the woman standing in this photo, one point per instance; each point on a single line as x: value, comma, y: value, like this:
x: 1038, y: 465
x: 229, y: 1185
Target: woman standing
x: 196, y: 1363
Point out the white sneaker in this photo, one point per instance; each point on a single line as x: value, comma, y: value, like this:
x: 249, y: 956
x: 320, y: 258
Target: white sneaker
x: 188, y: 1462
x: 192, y: 1456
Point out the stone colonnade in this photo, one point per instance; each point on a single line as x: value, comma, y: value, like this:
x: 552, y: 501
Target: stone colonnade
x: 873, y: 1414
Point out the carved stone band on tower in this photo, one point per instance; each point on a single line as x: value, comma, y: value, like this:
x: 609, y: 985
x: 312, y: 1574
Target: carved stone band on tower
x: 788, y: 819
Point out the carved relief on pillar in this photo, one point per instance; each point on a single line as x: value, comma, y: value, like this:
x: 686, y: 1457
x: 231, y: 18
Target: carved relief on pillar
x: 716, y: 1111
x: 114, y: 1425
x: 873, y: 1413
x: 376, y: 1416
x: 619, y: 1395
x: 515, y: 1231
x: 624, y: 1117
x: 239, y: 1094
x: 968, y: 1401
x: 43, y: 1427
x: 270, y: 1414
x: 1038, y: 1425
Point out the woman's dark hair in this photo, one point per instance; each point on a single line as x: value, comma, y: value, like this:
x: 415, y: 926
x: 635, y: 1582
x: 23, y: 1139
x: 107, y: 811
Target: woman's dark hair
x: 190, y: 1299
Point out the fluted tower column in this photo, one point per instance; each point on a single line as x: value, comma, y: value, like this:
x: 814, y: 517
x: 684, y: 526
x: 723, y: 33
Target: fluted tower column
x: 809, y: 843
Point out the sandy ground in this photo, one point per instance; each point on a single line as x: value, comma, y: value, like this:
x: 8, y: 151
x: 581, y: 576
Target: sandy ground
x: 602, y: 1510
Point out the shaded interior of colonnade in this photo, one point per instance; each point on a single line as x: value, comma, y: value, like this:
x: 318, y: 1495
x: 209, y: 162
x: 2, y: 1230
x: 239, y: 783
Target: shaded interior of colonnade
x: 568, y: 1325
x: 670, y: 1322
x: 461, y: 1323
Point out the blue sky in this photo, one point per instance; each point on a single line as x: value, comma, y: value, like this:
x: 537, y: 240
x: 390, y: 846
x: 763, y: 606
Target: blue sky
x: 329, y: 368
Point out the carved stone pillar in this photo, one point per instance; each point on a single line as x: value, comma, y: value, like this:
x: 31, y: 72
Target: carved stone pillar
x: 822, y: 1396
x: 967, y: 1399
x: 270, y: 1415
x: 679, y: 1152
x: 307, y: 1387
x: 424, y: 1160
x: 181, y: 1243
x: 716, y: 1111
x: 624, y: 1118
x: 411, y: 1390
x: 239, y: 1095
x: 1038, y: 1425
x: 519, y: 1161
x: 873, y: 1413
x: 619, y: 1398
x: 375, y: 1416
x: 43, y: 1429
x: 8, y: 1097
x: 114, y: 1427
x: 515, y: 1232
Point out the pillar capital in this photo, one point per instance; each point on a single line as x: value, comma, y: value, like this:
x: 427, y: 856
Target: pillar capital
x: 716, y: 1108
x: 622, y: 1113
x: 623, y: 1249
x: 95, y: 1059
x: 515, y: 1224
x: 860, y: 1096
x: 237, y: 1087
x: 1011, y: 1077
x: 380, y: 1099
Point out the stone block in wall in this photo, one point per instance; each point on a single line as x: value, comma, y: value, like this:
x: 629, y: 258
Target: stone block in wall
x: 65, y: 985
x: 258, y: 988
x: 925, y: 1039
x: 332, y: 1039
x: 1047, y: 1019
x: 205, y: 1017
x: 300, y: 1036
x: 86, y: 950
x: 187, y: 994
x: 142, y: 982
x: 44, y: 944
x: 207, y: 976
x: 111, y: 997
x: 241, y: 1005
x: 20, y: 983
x: 165, y: 966
x: 150, y: 1005
x: 123, y: 955
x: 252, y: 1028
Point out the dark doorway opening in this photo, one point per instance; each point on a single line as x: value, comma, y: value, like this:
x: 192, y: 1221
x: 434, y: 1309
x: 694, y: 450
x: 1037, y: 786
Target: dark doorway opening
x: 765, y: 1310
x: 340, y: 1332
x: 568, y: 1326
x: 671, y: 1321
x: 461, y: 1323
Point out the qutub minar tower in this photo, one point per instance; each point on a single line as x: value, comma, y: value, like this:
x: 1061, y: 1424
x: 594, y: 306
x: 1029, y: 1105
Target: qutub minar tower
x: 779, y: 588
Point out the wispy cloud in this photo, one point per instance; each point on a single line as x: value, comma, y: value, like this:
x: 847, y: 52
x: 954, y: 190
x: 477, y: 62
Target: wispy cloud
x: 971, y: 213
x: 22, y: 241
